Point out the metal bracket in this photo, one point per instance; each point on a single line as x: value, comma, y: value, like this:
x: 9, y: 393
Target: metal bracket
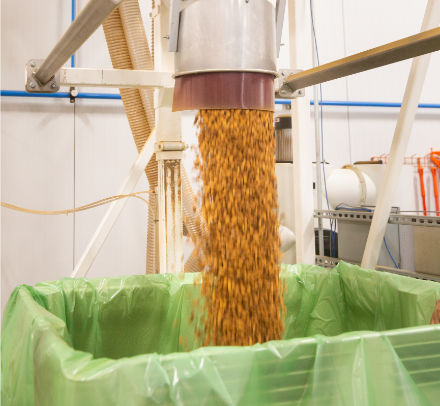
x: 361, y: 177
x: 282, y: 90
x: 73, y: 93
x: 32, y: 85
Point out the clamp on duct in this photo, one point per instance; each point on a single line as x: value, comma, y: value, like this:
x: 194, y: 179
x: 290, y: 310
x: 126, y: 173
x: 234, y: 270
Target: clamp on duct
x: 361, y: 177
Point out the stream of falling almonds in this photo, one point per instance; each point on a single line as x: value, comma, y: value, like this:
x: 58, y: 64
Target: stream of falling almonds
x: 243, y: 304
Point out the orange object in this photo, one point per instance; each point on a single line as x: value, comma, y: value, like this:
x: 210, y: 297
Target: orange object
x: 434, y: 181
x: 422, y: 186
x: 434, y: 159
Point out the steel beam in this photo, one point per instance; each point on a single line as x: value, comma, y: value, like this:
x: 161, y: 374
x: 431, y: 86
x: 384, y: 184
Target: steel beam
x: 299, y: 33
x: 405, y: 219
x: 117, y: 78
x: 406, y: 48
x: 85, y: 24
x: 319, y: 166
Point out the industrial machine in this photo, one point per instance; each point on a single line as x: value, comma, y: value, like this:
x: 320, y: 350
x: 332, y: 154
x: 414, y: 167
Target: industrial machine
x: 211, y: 54
x: 352, y: 335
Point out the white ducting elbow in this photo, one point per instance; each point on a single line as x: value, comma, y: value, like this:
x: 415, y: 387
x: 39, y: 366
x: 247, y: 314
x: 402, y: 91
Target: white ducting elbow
x: 349, y: 185
x: 288, y: 239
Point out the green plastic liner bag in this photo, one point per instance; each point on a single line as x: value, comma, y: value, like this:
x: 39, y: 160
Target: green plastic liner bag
x: 353, y: 337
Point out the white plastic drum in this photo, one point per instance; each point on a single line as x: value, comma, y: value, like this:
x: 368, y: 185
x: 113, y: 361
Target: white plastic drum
x: 345, y: 186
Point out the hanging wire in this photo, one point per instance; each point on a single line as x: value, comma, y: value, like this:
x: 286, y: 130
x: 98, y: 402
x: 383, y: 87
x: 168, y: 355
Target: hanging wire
x: 77, y: 209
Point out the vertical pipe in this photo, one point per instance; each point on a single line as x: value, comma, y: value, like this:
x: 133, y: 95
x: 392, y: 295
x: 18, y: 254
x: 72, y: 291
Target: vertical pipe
x: 72, y: 58
x: 400, y: 143
x: 299, y: 39
x: 318, y: 159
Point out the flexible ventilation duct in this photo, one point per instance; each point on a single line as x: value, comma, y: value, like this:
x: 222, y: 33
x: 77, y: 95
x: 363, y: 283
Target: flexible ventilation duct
x: 128, y: 47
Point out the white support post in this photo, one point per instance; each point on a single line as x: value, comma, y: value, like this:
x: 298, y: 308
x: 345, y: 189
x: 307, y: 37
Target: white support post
x: 300, y: 57
x: 319, y: 166
x: 401, y: 137
x: 169, y: 128
x: 114, y: 210
x: 170, y: 238
x: 170, y: 215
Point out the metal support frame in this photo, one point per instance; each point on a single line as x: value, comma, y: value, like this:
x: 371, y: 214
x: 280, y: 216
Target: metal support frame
x: 84, y: 25
x: 117, y: 78
x: 169, y: 125
x: 299, y: 33
x: 170, y: 215
x: 168, y: 134
x: 401, y: 137
x: 405, y: 219
x: 319, y: 165
x: 283, y: 91
x: 32, y: 85
x: 112, y: 78
x: 406, y: 48
x: 115, y: 208
x: 170, y: 204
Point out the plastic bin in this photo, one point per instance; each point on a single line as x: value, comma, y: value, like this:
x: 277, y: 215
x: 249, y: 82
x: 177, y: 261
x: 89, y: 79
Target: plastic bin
x: 115, y: 341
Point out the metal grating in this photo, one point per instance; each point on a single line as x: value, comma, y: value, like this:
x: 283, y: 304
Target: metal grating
x: 400, y: 218
x: 329, y: 262
x: 283, y: 149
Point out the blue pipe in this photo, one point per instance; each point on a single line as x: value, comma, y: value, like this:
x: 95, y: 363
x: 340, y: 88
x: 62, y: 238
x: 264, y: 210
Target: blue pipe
x: 72, y: 58
x: 115, y: 96
x: 102, y: 96
x: 282, y: 101
x: 373, y: 104
x: 361, y: 104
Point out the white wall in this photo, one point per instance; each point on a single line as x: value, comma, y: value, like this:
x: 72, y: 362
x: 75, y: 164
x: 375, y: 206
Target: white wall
x: 346, y: 27
x: 56, y: 155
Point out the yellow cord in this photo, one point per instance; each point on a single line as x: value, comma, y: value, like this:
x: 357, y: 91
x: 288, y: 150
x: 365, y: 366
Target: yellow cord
x: 82, y: 208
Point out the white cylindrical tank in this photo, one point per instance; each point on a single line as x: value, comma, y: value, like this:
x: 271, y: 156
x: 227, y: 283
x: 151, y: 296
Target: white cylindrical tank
x: 350, y: 187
